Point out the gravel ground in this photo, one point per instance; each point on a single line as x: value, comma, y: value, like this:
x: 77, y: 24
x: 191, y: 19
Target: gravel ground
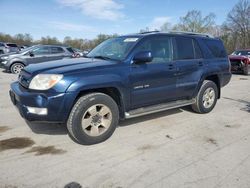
x: 176, y: 148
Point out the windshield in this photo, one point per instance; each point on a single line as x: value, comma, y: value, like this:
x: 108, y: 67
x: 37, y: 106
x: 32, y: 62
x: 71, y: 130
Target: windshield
x: 114, y: 49
x: 28, y: 49
x: 244, y: 53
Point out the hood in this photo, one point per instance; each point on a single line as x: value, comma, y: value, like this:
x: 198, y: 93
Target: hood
x: 67, y: 65
x: 237, y: 57
x: 10, y: 55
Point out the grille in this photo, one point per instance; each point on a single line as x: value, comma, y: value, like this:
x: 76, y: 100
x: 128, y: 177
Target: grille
x: 24, y: 78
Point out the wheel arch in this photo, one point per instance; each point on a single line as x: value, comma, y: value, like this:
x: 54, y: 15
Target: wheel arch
x: 212, y: 77
x: 113, y: 92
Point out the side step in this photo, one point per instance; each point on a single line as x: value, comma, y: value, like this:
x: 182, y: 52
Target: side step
x: 157, y: 108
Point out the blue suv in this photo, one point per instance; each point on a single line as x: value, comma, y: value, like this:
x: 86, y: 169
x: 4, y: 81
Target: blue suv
x: 121, y: 78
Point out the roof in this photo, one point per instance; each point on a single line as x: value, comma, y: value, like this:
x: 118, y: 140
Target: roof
x: 175, y: 33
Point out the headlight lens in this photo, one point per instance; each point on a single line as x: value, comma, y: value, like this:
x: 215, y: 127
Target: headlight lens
x: 45, y: 81
x: 5, y: 57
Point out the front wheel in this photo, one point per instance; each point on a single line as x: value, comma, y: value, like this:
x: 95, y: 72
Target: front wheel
x: 206, y: 98
x: 16, y: 68
x: 93, y: 118
x: 246, y: 70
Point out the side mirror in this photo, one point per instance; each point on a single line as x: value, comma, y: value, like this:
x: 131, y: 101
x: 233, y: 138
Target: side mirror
x: 31, y: 53
x: 143, y: 57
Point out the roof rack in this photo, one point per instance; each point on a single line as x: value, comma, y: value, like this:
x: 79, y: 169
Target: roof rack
x: 192, y: 33
x: 147, y: 32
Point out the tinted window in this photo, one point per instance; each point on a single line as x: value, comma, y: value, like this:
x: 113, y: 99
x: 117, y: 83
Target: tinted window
x: 41, y: 50
x: 160, y: 47
x: 1, y: 44
x: 197, y: 50
x: 241, y: 53
x: 184, y: 48
x: 11, y: 45
x: 70, y: 50
x: 216, y: 48
x: 56, y: 50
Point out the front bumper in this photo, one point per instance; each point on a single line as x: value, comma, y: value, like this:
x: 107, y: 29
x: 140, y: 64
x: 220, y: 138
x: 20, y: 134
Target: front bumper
x: 58, y: 105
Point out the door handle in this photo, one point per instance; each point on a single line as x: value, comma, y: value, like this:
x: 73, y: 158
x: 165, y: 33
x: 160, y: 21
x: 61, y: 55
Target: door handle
x: 200, y: 63
x: 171, y: 66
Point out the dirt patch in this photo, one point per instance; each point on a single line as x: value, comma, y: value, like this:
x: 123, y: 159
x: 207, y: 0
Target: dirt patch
x: 233, y: 126
x: 40, y: 150
x: 16, y: 143
x: 243, y: 78
x: 145, y: 147
x: 168, y: 136
x: 4, y: 129
x: 212, y: 141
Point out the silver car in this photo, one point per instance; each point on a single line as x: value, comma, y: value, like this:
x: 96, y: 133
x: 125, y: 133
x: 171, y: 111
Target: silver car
x: 8, y: 48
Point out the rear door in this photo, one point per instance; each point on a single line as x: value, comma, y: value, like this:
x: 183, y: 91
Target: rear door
x: 189, y: 64
x: 153, y: 82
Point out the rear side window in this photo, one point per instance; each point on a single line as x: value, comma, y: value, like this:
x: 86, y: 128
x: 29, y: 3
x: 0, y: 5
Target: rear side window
x: 56, y: 50
x: 12, y: 45
x: 184, y: 48
x: 216, y: 48
x: 197, y: 50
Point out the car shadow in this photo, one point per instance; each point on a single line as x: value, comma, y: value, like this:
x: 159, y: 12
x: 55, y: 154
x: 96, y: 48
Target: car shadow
x: 61, y: 129
x: 48, y: 128
x: 128, y: 122
x: 246, y: 108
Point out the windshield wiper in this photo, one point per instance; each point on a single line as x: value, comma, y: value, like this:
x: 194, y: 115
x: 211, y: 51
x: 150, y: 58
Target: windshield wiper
x: 103, y: 57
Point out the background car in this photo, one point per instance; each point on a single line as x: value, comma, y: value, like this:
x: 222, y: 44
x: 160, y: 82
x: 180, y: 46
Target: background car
x: 15, y: 62
x: 244, y: 52
x: 8, y: 47
x: 240, y: 61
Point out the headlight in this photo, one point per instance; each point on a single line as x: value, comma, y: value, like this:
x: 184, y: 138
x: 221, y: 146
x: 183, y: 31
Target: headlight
x: 44, y: 81
x: 5, y: 57
x: 4, y: 62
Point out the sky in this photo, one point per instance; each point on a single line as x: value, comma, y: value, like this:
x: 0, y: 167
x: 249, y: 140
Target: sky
x: 88, y: 18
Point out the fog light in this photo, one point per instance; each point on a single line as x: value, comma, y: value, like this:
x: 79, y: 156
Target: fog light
x: 4, y: 62
x: 38, y: 111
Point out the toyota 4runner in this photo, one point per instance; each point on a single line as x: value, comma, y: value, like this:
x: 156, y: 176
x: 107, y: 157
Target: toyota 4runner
x: 121, y: 78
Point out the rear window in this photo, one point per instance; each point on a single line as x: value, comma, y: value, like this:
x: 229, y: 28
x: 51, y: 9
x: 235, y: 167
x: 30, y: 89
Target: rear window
x: 11, y: 45
x: 216, y: 48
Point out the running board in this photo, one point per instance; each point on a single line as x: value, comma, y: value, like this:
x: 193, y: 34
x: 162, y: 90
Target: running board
x: 157, y: 108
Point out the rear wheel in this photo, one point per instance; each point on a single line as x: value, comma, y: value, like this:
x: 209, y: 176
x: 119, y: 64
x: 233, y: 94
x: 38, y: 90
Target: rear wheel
x: 16, y: 68
x: 93, y: 118
x: 206, y: 98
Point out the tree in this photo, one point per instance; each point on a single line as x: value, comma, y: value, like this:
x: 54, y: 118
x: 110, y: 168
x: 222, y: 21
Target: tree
x: 194, y: 22
x: 237, y: 25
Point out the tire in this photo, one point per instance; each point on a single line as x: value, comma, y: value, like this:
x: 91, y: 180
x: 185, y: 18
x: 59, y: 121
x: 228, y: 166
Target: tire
x: 16, y: 68
x: 206, y: 98
x: 246, y: 70
x: 93, y: 118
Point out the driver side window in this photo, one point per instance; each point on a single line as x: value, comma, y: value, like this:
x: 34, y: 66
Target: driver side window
x: 41, y: 51
x: 161, y: 48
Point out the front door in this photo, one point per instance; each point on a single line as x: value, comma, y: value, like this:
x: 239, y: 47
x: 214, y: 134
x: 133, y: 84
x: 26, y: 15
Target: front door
x: 153, y: 82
